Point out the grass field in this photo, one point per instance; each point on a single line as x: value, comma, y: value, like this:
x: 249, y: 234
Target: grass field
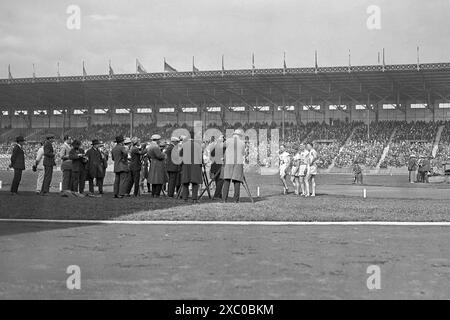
x: 389, y: 198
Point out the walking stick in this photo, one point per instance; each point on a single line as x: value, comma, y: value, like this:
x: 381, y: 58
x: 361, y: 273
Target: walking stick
x: 247, y: 189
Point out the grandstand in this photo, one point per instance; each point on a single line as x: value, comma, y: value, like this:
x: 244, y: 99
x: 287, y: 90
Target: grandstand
x: 375, y: 115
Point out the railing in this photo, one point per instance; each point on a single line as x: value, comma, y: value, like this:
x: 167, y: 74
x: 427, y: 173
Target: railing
x: 243, y: 72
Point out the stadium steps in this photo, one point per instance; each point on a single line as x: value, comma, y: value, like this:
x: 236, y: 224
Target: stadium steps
x: 386, y: 150
x: 436, y: 141
x: 349, y: 139
x: 34, y: 135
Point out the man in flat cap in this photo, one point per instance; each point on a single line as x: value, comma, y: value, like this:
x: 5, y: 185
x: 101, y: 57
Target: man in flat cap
x: 96, y: 167
x: 49, y: 163
x: 17, y: 163
x: 157, y: 172
x: 173, y: 168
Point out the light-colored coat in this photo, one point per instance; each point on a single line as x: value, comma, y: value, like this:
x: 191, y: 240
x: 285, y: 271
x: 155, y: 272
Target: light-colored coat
x: 234, y: 159
x: 157, y: 172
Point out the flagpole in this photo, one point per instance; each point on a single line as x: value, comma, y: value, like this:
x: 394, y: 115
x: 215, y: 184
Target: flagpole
x: 315, y: 62
x: 223, y: 66
x: 349, y: 61
x: 418, y: 59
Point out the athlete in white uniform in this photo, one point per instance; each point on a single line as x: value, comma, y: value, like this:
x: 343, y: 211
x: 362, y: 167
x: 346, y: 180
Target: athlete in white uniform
x: 285, y: 161
x: 311, y: 170
x: 298, y: 172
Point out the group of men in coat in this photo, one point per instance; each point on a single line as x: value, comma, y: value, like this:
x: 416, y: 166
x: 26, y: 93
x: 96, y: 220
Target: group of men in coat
x: 78, y: 165
x: 47, y: 162
x: 179, y: 165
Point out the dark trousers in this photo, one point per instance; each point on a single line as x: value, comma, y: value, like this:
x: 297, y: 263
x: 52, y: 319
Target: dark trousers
x: 185, y: 191
x: 16, y: 180
x: 156, y: 189
x: 67, y: 180
x: 134, y: 178
x: 226, y: 189
x: 173, y: 183
x: 219, y: 186
x: 99, y: 182
x: 78, y: 181
x: 120, y: 183
x: 48, y: 173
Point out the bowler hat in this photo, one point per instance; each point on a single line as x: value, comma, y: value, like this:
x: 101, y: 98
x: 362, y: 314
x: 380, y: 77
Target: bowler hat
x: 119, y: 139
x: 20, y: 139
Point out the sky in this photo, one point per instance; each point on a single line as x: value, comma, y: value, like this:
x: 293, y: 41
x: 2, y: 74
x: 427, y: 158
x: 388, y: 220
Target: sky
x: 36, y: 32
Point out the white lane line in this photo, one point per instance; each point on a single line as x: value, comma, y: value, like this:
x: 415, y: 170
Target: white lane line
x: 239, y: 223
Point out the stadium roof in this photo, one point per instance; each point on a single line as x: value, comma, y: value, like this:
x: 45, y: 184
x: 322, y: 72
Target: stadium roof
x: 252, y: 88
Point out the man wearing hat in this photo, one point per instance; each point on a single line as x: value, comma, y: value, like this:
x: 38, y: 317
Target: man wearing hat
x: 412, y: 168
x: 17, y: 163
x: 191, y: 169
x: 79, y: 162
x: 157, y: 170
x: 49, y: 163
x: 66, y: 165
x: 120, y: 157
x: 136, y: 153
x: 173, y: 168
x: 217, y: 152
x: 233, y: 168
x: 96, y: 167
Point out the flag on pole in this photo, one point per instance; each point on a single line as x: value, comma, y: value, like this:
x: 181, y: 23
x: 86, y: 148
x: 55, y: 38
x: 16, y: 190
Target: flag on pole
x: 253, y: 64
x: 379, y: 58
x: 284, y: 63
x: 57, y: 72
x: 9, y: 72
x: 84, y: 71
x: 111, y: 71
x: 349, y: 61
x: 384, y: 61
x: 223, y: 65
x: 34, y: 71
x: 316, y: 66
x: 194, y: 69
x: 418, y: 59
x: 140, y: 68
x: 168, y: 67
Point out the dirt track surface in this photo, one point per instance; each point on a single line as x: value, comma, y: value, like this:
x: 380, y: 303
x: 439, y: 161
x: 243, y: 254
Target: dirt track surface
x: 223, y: 262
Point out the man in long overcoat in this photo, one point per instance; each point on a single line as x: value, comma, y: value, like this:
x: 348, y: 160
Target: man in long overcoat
x: 191, y: 169
x: 79, y: 162
x: 233, y: 168
x: 120, y: 157
x: 157, y: 172
x: 96, y: 167
x: 49, y: 163
x: 17, y: 163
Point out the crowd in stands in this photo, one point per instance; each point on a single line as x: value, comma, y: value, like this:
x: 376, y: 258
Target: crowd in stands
x: 334, y: 142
